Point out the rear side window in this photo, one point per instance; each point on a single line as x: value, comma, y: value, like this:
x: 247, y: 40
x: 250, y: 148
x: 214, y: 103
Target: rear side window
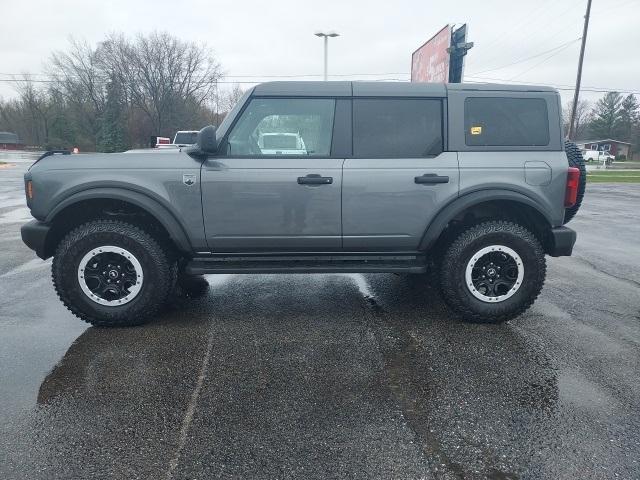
x: 506, y: 122
x: 397, y: 127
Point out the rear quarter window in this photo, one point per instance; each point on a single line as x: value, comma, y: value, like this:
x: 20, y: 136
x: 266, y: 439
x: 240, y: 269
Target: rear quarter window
x: 495, y: 121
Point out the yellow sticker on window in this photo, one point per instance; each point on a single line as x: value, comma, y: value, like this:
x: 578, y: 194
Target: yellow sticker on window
x: 476, y: 130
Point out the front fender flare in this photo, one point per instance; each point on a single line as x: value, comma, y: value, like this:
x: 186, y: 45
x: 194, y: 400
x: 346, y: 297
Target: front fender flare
x: 154, y: 208
x: 449, y: 212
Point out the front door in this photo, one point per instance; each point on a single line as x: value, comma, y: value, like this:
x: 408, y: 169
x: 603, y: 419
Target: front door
x: 275, y: 186
x: 399, y: 176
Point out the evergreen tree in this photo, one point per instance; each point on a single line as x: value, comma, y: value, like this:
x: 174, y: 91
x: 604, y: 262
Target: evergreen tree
x: 629, y: 117
x: 62, y: 133
x: 607, y: 118
x: 111, y: 137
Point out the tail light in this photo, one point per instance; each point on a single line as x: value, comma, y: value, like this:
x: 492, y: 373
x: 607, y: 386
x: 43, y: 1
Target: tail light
x: 571, y: 193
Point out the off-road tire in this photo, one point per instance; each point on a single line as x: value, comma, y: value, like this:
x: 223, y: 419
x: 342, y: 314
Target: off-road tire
x: 157, y: 265
x: 575, y: 159
x: 453, y: 265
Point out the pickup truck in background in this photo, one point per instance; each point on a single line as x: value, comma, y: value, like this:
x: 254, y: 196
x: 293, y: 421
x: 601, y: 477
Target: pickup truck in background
x: 600, y: 156
x: 184, y: 138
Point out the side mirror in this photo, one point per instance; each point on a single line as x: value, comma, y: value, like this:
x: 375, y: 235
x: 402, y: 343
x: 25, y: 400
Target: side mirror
x: 207, y: 142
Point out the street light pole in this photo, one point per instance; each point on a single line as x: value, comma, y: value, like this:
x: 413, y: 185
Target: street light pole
x: 326, y: 49
x: 326, y: 56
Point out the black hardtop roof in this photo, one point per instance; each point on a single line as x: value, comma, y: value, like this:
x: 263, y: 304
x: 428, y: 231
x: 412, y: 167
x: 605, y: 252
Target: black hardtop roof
x: 385, y: 89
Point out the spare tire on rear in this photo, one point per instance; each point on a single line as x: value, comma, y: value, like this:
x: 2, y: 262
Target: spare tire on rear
x: 575, y: 158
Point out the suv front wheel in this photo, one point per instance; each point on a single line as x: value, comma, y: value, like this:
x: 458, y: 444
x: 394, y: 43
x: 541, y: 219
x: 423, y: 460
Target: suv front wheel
x: 492, y: 272
x: 112, y: 274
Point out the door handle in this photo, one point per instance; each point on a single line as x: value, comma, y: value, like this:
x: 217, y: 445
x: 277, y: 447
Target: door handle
x: 314, y: 179
x: 431, y: 178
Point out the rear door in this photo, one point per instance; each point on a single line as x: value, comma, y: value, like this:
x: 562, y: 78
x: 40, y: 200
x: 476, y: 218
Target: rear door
x: 399, y: 176
x: 276, y: 185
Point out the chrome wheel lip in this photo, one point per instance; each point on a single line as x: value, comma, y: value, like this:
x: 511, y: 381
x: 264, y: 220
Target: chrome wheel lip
x: 133, y: 291
x: 477, y: 256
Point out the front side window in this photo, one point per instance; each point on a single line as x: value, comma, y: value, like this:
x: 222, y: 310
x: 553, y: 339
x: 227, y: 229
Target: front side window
x: 397, y: 127
x: 521, y: 122
x: 283, y: 126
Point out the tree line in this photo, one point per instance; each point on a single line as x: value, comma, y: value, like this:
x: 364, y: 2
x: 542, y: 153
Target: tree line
x: 118, y: 94
x: 613, y: 116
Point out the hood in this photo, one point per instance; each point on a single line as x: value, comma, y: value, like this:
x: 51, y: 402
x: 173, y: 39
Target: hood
x: 150, y: 158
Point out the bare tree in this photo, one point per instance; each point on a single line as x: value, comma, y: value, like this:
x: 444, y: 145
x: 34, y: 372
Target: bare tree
x: 160, y: 73
x: 583, y: 118
x: 36, y: 107
x: 80, y: 78
x: 163, y: 84
x: 232, y: 97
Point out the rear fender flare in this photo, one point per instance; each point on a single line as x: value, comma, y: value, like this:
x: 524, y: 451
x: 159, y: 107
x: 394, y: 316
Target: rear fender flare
x: 449, y: 212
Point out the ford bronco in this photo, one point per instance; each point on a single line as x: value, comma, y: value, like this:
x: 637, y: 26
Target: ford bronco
x: 472, y: 183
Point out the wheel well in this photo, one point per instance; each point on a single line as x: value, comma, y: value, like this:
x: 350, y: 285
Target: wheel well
x: 104, y: 208
x: 508, y: 210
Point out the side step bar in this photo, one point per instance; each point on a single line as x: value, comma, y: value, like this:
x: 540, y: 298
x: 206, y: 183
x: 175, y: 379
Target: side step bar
x: 301, y: 263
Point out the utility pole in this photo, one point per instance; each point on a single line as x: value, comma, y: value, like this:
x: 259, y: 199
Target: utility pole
x: 326, y: 49
x: 576, y: 94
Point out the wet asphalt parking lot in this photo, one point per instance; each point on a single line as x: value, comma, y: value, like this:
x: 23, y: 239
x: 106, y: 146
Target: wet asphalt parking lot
x: 329, y: 376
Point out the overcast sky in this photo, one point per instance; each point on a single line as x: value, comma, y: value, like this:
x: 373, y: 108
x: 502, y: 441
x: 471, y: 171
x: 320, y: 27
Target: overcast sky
x: 256, y: 38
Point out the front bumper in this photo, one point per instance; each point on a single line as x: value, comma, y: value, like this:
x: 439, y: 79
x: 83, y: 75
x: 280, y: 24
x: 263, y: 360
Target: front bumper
x: 34, y: 235
x: 562, y: 241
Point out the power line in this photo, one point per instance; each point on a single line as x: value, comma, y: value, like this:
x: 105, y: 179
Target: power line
x: 563, y: 87
x: 564, y: 45
x: 503, y: 35
x: 557, y: 52
x: 302, y: 75
x: 102, y: 82
x: 481, y: 80
x: 609, y: 89
x: 542, y: 36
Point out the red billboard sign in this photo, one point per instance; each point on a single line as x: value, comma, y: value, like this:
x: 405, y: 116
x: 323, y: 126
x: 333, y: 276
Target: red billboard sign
x: 430, y: 62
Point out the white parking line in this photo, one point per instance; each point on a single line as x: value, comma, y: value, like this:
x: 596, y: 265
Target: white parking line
x: 191, y: 408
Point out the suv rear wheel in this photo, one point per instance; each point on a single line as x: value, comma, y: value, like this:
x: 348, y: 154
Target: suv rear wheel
x: 111, y: 273
x: 492, y: 272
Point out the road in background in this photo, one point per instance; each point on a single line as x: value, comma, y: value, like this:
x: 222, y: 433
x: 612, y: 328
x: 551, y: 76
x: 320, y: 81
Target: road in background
x: 325, y: 376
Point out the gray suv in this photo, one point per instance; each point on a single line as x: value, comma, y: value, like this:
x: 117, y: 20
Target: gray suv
x: 472, y: 183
